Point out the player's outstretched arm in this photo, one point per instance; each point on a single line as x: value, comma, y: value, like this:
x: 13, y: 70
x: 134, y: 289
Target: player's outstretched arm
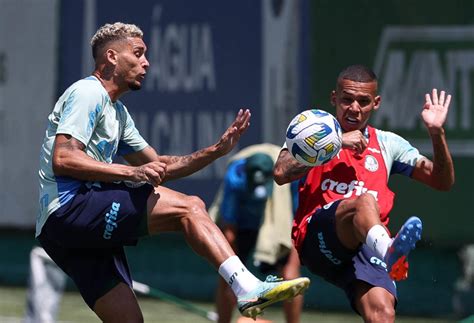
x: 181, y: 166
x: 287, y: 168
x: 438, y: 173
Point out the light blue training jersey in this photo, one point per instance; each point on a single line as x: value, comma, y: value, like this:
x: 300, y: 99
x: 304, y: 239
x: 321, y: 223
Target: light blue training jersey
x: 86, y: 112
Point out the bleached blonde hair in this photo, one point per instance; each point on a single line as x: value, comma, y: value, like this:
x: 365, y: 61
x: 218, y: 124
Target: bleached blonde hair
x: 113, y: 32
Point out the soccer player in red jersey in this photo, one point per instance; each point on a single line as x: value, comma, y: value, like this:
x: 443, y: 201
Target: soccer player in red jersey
x: 340, y: 225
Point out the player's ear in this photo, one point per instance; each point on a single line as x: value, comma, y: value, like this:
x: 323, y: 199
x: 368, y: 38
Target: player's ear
x: 111, y: 56
x: 377, y: 101
x: 332, y: 99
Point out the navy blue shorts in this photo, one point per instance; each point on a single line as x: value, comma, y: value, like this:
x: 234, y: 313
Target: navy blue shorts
x: 325, y: 256
x: 86, y: 236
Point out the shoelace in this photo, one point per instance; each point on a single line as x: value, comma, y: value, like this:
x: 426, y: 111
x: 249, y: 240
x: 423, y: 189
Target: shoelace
x: 273, y: 279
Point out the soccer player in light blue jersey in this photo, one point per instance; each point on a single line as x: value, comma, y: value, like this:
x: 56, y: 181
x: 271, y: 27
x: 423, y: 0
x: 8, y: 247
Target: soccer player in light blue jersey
x: 91, y: 207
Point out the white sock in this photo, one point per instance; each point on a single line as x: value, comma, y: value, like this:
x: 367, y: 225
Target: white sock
x: 378, y: 240
x: 237, y: 276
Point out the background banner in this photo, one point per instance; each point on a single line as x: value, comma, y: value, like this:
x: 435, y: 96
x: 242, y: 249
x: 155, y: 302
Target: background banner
x: 206, y: 62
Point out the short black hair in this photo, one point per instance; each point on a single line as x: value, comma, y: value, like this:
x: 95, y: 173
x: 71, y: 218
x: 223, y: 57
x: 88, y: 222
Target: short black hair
x: 357, y: 73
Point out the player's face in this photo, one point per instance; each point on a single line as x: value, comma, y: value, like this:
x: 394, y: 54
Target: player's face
x: 132, y: 64
x: 354, y: 102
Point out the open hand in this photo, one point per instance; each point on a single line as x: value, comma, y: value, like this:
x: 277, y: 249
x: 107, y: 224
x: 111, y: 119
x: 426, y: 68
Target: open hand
x: 435, y: 110
x: 232, y: 135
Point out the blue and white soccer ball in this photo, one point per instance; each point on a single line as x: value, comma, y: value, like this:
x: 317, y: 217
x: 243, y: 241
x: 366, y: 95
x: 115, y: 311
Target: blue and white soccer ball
x: 314, y: 137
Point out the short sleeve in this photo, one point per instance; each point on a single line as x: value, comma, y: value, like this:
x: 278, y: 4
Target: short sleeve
x: 80, y: 113
x: 400, y: 155
x: 131, y: 141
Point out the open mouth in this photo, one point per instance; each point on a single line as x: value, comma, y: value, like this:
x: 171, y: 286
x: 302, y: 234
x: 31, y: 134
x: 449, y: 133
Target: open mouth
x: 351, y: 120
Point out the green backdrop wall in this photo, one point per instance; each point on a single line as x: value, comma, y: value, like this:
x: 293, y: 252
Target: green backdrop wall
x: 413, y: 46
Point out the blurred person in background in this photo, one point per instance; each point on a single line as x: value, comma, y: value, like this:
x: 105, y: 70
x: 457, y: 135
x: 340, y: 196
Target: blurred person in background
x: 463, y: 295
x: 90, y: 207
x: 46, y: 283
x: 253, y: 213
x: 340, y: 226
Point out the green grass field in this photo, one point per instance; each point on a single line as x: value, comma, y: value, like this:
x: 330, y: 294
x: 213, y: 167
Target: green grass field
x: 73, y: 309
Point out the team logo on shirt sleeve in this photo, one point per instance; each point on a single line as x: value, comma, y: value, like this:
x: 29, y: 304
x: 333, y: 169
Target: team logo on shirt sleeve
x: 371, y: 163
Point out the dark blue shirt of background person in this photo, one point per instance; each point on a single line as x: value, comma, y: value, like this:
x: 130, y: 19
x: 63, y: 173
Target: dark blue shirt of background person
x: 248, y: 183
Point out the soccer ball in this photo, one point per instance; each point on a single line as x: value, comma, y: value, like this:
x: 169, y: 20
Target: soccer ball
x: 314, y: 137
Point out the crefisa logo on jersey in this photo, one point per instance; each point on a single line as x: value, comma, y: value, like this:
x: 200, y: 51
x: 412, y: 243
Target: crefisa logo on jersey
x: 356, y: 188
x: 371, y: 163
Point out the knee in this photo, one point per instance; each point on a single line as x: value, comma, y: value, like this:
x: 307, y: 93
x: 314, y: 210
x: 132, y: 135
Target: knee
x: 195, y: 211
x: 195, y: 205
x: 366, y: 200
x: 380, y: 313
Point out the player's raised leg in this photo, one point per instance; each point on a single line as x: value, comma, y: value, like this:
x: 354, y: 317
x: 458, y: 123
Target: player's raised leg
x: 169, y: 211
x: 358, y: 221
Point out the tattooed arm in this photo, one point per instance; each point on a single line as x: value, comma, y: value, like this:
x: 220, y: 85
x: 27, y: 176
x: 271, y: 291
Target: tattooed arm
x: 176, y: 166
x: 70, y: 159
x: 287, y: 169
x: 181, y: 166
